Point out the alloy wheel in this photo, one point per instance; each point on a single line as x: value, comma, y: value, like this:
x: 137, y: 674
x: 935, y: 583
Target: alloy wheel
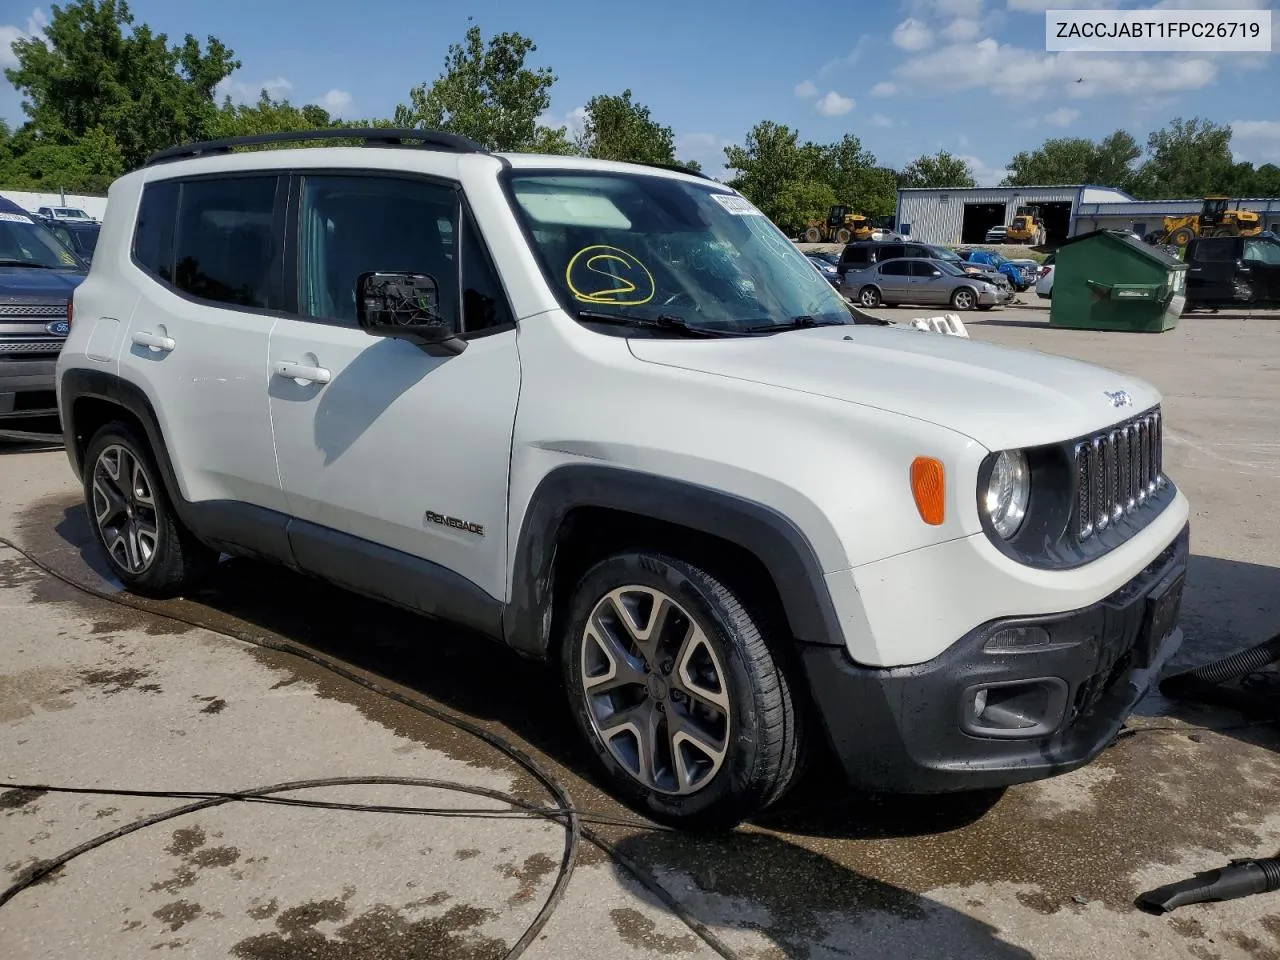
x: 964, y: 299
x: 655, y: 689
x: 124, y: 509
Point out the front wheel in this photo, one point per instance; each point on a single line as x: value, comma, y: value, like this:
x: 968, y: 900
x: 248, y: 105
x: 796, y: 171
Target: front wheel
x: 869, y: 297
x: 843, y: 235
x: 963, y: 299
x: 674, y: 688
x: 812, y: 235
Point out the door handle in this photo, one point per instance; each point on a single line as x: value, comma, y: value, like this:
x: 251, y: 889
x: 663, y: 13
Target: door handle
x: 300, y: 373
x: 154, y: 342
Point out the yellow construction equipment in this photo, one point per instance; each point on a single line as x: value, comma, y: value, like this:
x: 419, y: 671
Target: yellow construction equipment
x: 1027, y: 227
x: 1214, y: 220
x: 841, y: 226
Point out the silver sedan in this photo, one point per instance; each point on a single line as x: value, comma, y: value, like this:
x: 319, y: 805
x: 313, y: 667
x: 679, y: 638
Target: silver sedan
x: 918, y: 281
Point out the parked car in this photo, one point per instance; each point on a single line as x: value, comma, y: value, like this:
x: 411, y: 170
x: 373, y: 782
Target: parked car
x: 834, y: 537
x: 1020, y: 278
x: 919, y: 281
x: 37, y: 276
x: 1223, y: 270
x: 997, y: 234
x: 78, y: 236
x: 825, y: 267
x: 862, y: 253
x: 74, y: 214
x: 1044, y: 285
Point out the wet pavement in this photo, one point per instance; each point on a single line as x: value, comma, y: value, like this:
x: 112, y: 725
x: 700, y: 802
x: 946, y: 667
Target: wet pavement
x: 95, y: 694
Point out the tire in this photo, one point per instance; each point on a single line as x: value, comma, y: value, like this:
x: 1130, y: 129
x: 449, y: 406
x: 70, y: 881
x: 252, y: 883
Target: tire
x: 843, y: 235
x: 986, y: 306
x: 869, y: 297
x: 741, y: 712
x: 964, y: 299
x: 812, y: 235
x: 1182, y: 236
x: 133, y: 520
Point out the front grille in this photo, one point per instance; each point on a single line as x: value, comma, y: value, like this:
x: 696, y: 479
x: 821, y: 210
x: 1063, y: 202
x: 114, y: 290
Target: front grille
x: 33, y: 309
x: 1117, y: 472
x: 25, y: 347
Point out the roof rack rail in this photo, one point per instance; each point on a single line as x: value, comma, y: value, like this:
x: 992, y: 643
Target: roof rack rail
x: 372, y: 137
x: 679, y: 168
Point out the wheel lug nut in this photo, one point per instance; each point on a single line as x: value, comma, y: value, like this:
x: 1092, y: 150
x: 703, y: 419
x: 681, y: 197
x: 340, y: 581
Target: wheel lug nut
x: 667, y: 665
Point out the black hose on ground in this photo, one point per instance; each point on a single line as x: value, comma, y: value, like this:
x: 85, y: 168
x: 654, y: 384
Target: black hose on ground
x: 1256, y: 694
x: 563, y: 811
x: 1229, y: 668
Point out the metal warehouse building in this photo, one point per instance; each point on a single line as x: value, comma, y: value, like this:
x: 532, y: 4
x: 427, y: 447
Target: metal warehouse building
x: 1142, y: 216
x: 965, y: 214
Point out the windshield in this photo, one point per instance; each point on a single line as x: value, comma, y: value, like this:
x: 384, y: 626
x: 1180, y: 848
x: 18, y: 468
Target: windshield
x: 23, y: 242
x: 643, y: 246
x: 942, y: 253
x: 949, y: 268
x: 72, y: 213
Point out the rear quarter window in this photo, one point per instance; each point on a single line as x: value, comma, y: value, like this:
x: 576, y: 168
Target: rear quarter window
x: 153, y: 231
x: 1216, y: 249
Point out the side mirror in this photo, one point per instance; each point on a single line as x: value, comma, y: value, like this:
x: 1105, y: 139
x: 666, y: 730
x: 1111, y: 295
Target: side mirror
x: 406, y: 306
x: 936, y: 273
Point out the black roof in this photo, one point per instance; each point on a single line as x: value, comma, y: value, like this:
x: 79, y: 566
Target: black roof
x: 371, y: 136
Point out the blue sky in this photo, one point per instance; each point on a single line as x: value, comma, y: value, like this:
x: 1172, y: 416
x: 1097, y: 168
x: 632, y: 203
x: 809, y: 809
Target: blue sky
x: 906, y: 76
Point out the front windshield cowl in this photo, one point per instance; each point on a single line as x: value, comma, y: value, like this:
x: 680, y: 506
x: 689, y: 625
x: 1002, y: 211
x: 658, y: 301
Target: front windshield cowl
x: 647, y: 245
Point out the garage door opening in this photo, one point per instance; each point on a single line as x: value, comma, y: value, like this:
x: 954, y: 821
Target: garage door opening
x: 978, y: 219
x: 1057, y: 221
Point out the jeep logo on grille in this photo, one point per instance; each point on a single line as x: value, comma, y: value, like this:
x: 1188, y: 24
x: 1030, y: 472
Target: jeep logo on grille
x: 59, y: 328
x: 1118, y: 398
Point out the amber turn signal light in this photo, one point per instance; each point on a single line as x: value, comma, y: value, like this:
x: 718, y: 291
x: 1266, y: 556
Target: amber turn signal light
x: 929, y: 487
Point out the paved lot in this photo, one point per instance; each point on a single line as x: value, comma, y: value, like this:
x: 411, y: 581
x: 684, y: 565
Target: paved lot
x: 93, y: 694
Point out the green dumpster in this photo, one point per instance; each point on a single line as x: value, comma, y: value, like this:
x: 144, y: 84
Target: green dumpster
x: 1111, y: 280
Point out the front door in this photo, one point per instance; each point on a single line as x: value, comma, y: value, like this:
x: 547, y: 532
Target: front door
x: 377, y: 441
x: 928, y: 283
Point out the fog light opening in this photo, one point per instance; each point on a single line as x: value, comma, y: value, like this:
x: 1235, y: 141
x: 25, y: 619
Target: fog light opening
x: 1019, y: 709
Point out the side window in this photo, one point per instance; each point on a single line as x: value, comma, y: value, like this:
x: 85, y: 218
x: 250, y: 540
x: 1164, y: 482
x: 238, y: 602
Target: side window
x: 891, y: 251
x: 921, y: 268
x: 1262, y: 251
x: 917, y: 251
x: 349, y: 225
x: 153, y: 233
x: 1223, y: 248
x: 895, y: 269
x: 484, y: 302
x: 224, y: 249
x: 854, y: 256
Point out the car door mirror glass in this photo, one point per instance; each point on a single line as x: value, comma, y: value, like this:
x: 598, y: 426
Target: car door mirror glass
x: 405, y: 306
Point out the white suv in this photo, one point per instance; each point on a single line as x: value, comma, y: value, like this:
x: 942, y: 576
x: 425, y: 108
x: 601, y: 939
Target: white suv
x: 608, y: 415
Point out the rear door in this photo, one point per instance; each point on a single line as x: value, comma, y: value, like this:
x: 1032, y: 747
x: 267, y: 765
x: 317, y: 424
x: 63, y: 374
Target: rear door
x: 1211, y: 268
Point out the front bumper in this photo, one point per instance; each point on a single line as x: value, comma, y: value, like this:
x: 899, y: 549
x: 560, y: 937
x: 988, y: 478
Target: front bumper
x: 27, y: 387
x: 915, y: 729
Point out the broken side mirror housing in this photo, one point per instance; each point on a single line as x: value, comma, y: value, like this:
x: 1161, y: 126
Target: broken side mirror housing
x: 406, y: 306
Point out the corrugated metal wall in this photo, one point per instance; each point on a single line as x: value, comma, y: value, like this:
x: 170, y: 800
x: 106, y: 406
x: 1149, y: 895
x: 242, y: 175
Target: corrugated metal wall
x: 936, y: 216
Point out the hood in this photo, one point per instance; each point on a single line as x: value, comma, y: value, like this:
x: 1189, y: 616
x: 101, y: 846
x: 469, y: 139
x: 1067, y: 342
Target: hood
x: 37, y: 285
x: 999, y: 396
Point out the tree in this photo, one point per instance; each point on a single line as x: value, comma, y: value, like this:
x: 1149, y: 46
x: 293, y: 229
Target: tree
x: 487, y: 93
x: 1075, y: 160
x: 940, y: 170
x: 1188, y: 158
x: 769, y: 162
x: 269, y: 116
x: 87, y: 73
x: 618, y: 128
x: 89, y: 165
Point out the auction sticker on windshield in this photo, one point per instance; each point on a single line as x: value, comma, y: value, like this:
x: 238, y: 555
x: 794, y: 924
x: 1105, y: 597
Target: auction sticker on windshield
x: 738, y: 206
x: 14, y: 218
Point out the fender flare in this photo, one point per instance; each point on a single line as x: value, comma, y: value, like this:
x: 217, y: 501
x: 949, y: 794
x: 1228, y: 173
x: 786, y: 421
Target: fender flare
x: 771, y: 537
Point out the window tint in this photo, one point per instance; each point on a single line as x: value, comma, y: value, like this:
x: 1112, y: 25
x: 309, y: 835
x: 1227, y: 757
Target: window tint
x: 916, y: 251
x: 857, y: 255
x: 922, y: 268
x: 484, y: 302
x: 891, y: 251
x: 894, y: 269
x: 365, y: 224
x: 223, y: 245
x: 153, y: 233
x: 1223, y: 248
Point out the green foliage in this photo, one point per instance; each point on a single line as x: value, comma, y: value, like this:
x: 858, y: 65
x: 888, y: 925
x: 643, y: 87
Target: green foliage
x: 91, y: 73
x: 1073, y: 160
x: 486, y: 93
x: 1190, y: 158
x: 939, y: 170
x: 618, y: 128
x: 268, y: 116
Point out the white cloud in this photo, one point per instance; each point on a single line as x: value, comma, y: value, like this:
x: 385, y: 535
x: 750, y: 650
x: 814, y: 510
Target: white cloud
x: 1258, y: 140
x: 706, y: 148
x: 1062, y: 117
x: 962, y: 140
x: 573, y: 120
x: 884, y: 89
x: 241, y: 92
x: 1017, y: 71
x: 833, y: 105
x: 913, y: 35
x: 806, y: 89
x: 942, y: 9
x: 986, y: 176
x: 850, y: 59
x: 336, y: 102
x: 9, y: 33
x: 962, y: 29
x: 1256, y: 129
x: 1040, y: 6
x: 880, y: 120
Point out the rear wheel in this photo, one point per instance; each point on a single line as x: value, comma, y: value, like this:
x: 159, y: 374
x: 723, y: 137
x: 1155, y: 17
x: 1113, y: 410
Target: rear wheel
x: 149, y: 549
x: 677, y: 693
x: 964, y: 299
x: 869, y: 297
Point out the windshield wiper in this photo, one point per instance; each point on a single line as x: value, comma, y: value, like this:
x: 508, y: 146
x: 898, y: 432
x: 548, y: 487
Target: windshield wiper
x: 10, y: 262
x: 661, y: 322
x: 802, y: 322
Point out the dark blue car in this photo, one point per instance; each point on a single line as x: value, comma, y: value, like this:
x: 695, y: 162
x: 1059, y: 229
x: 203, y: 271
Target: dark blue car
x: 1020, y: 278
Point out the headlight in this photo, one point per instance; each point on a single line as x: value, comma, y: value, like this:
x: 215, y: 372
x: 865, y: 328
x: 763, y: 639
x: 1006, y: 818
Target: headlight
x: 1008, y: 492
